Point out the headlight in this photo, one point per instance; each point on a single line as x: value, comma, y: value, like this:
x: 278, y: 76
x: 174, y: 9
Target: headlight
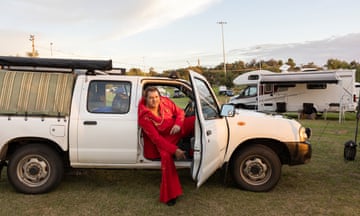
x: 304, y: 133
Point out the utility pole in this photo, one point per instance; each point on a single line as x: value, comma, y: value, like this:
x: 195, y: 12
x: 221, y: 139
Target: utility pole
x: 32, y: 39
x: 223, y: 46
x: 144, y: 66
x: 51, y: 51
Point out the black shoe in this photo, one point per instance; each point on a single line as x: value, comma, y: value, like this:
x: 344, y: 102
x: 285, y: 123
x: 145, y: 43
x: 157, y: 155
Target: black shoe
x: 171, y: 202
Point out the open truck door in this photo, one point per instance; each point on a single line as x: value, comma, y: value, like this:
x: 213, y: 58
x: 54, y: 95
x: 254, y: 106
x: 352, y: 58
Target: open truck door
x: 211, y: 131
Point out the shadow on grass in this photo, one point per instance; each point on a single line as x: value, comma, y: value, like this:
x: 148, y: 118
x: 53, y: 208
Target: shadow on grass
x: 327, y: 185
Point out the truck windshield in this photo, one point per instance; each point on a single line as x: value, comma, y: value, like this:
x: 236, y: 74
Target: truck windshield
x: 249, y: 91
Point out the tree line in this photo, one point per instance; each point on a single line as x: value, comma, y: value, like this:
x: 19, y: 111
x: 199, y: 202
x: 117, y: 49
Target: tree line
x: 216, y: 76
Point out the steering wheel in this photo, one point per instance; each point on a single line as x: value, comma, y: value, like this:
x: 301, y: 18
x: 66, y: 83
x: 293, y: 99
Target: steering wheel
x: 190, y: 108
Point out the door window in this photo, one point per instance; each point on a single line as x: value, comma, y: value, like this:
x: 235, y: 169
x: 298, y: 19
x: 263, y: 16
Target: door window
x: 207, y: 102
x: 109, y: 97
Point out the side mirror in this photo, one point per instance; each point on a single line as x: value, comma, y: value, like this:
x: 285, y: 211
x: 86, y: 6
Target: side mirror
x: 227, y: 110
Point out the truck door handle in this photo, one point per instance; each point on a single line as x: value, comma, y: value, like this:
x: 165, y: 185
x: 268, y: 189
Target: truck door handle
x: 90, y: 122
x: 208, y: 132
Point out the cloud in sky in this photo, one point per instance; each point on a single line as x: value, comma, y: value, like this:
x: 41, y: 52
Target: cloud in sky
x: 113, y: 18
x: 91, y: 29
x: 166, y: 33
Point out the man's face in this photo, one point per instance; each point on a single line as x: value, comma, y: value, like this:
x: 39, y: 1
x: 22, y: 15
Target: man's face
x: 152, y: 99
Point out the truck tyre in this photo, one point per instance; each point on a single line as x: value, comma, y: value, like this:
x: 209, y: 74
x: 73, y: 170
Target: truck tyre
x: 256, y: 168
x: 35, y: 169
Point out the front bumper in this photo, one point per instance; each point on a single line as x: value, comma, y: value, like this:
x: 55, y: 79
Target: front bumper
x: 299, y: 152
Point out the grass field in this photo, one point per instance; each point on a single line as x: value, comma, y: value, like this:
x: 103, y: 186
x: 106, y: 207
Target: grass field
x: 328, y: 185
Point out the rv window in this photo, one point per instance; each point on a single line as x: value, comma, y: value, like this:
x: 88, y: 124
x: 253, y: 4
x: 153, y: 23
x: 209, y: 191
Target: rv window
x: 253, y: 77
x: 316, y: 86
x: 268, y: 88
x: 283, y: 86
x: 281, y: 89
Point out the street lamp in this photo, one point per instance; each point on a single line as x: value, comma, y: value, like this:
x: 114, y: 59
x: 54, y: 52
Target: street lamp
x: 223, y: 46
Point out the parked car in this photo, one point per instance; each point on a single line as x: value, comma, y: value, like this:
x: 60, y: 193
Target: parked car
x: 222, y: 90
x: 229, y: 93
x: 178, y: 94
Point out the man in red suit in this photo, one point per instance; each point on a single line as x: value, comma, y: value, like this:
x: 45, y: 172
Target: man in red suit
x: 163, y: 125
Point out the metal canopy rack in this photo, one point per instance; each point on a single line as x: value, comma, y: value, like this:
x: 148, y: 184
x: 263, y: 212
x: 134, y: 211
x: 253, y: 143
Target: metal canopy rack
x: 10, y: 62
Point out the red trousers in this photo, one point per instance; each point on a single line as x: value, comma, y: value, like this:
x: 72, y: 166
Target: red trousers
x: 170, y: 186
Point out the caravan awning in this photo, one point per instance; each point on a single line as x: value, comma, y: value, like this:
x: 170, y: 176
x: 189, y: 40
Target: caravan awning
x: 300, y: 77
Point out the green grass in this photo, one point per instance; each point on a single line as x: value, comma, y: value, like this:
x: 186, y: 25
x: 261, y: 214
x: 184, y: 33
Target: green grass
x: 182, y: 102
x: 328, y: 185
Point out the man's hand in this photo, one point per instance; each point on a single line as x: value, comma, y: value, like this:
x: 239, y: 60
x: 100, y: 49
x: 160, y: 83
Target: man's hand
x: 180, y: 154
x: 175, y: 129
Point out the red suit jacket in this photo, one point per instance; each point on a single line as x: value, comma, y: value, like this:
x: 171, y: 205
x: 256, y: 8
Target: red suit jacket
x: 156, y: 129
x: 158, y: 143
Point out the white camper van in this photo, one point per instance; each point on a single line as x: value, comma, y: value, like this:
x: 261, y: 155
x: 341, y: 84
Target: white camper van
x: 294, y: 91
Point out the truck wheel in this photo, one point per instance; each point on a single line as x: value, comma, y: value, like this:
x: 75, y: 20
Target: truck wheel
x: 257, y: 168
x: 35, y: 169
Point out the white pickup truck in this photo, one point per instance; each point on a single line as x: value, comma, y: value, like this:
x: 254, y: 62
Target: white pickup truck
x: 60, y: 113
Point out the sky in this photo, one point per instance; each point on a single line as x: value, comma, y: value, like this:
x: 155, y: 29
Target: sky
x: 167, y: 34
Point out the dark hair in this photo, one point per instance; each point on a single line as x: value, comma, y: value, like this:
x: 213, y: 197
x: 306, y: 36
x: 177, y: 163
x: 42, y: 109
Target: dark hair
x: 151, y: 89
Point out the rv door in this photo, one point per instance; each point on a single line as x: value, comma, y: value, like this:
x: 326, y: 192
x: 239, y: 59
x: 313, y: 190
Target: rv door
x: 211, y: 131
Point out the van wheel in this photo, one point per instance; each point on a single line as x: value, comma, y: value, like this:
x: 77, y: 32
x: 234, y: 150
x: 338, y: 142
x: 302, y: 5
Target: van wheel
x: 257, y: 168
x: 35, y: 169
